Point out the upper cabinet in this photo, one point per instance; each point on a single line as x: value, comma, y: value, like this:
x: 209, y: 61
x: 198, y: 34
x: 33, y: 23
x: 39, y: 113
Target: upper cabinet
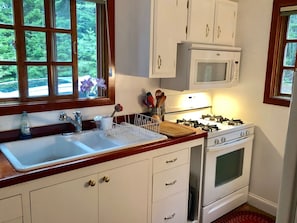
x: 147, y: 35
x: 212, y: 21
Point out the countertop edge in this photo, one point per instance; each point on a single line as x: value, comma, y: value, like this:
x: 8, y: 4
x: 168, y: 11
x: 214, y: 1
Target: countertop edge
x: 9, y: 176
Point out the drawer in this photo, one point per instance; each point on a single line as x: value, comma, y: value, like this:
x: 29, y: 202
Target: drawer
x: 171, y: 210
x: 10, y: 208
x: 171, y: 160
x: 171, y: 181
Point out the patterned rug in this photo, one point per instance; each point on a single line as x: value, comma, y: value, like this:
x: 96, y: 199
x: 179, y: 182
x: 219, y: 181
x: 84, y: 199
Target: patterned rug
x: 245, y: 217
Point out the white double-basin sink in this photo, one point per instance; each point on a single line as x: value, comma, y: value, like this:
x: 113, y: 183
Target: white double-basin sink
x: 35, y: 153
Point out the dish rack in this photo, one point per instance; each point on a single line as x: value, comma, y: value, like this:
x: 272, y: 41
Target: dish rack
x: 137, y: 124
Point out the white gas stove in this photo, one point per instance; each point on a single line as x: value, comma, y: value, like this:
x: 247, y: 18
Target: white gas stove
x: 227, y: 161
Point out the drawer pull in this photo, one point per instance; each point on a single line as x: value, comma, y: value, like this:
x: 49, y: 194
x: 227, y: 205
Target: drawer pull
x: 171, y: 161
x: 169, y: 217
x: 171, y: 183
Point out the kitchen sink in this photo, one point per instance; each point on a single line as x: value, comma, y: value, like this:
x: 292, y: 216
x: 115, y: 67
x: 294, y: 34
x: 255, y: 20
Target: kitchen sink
x: 35, y: 153
x: 98, y: 141
x: 44, y: 151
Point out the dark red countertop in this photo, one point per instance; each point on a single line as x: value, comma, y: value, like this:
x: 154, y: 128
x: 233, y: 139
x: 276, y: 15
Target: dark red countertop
x: 9, y: 176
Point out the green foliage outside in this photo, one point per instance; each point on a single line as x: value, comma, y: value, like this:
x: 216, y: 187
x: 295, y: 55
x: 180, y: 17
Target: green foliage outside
x: 36, y: 41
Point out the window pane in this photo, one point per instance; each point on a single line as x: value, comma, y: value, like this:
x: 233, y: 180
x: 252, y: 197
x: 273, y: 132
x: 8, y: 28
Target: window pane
x: 63, y: 47
x: 64, y: 80
x: 6, y: 15
x: 37, y: 81
x: 292, y: 27
x: 86, y: 38
x: 62, y: 14
x: 34, y: 13
x: 290, y: 54
x: 9, y: 87
x: 7, y: 45
x: 286, y: 83
x: 35, y: 46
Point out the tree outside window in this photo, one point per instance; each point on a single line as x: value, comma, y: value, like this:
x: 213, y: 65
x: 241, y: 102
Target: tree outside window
x: 49, y: 52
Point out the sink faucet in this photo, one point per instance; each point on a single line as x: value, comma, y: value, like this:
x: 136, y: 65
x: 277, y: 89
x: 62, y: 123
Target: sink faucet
x: 77, y: 121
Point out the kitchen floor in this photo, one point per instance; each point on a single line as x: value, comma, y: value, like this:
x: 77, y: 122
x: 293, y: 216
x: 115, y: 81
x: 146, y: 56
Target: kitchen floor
x: 247, y: 207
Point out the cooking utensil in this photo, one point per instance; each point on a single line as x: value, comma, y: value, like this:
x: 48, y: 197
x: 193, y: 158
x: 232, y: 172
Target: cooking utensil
x: 117, y: 108
x: 150, y: 99
x: 161, y: 101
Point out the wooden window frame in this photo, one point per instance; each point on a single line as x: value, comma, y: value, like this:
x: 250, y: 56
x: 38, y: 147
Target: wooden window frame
x: 275, y: 56
x: 9, y: 108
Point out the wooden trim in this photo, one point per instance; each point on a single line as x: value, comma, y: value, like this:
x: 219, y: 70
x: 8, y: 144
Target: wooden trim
x: 275, y: 54
x: 9, y: 107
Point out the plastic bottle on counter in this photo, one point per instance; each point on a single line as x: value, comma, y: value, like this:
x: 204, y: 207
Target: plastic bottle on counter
x: 25, y: 126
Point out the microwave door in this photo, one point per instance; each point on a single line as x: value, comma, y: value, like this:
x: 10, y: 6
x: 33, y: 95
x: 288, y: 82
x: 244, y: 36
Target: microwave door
x: 212, y: 72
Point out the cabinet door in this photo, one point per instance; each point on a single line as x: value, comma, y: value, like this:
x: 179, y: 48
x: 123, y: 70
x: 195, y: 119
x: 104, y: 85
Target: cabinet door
x: 11, y: 209
x: 169, y: 27
x: 123, y: 194
x: 225, y: 22
x: 74, y: 201
x: 200, y: 21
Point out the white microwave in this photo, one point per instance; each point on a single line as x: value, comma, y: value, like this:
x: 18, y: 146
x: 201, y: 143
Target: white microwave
x: 202, y: 66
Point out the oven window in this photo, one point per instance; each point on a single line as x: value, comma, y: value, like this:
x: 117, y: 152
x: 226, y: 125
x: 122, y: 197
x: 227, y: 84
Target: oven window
x: 229, y: 167
x: 207, y: 72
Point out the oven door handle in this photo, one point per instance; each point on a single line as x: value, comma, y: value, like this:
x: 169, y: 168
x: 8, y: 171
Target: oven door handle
x: 227, y: 144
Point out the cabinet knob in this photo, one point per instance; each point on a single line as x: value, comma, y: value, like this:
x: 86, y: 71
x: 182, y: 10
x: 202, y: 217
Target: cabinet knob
x: 159, y: 62
x: 92, y: 183
x: 219, y: 32
x: 169, y: 217
x: 106, y: 179
x: 207, y: 30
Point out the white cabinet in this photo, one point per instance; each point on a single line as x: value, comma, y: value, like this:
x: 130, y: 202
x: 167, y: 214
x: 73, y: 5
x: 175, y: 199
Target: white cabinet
x: 123, y: 194
x: 73, y: 201
x: 170, y: 187
x: 11, y: 210
x: 109, y: 197
x: 149, y: 30
x: 212, y: 21
x: 148, y: 187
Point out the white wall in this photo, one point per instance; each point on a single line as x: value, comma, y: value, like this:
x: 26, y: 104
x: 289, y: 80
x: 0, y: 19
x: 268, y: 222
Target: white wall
x: 246, y: 102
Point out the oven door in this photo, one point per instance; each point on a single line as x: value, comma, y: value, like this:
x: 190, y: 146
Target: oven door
x: 227, y: 169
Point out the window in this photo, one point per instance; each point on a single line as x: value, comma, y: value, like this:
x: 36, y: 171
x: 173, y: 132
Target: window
x: 53, y: 51
x: 281, y: 62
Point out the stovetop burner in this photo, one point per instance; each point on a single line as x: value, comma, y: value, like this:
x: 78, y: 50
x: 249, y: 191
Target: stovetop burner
x: 211, y: 123
x: 196, y: 124
x: 221, y: 119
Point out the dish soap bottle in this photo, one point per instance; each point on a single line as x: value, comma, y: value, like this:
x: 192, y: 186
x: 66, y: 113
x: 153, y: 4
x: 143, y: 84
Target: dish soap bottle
x: 25, y: 126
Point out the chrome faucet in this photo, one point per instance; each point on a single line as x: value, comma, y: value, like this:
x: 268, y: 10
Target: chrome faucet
x: 77, y: 121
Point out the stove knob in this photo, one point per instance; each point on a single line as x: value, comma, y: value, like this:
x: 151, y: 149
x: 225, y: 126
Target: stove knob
x: 242, y: 134
x: 223, y: 139
x: 247, y: 132
x: 216, y: 141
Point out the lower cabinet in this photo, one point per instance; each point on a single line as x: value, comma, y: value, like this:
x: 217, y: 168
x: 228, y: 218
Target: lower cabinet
x: 11, y: 210
x: 109, y: 197
x: 170, y: 187
x: 74, y: 201
x: 123, y: 194
x: 150, y: 187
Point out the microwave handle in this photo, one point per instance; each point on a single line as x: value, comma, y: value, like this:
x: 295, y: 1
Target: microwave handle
x: 235, y: 71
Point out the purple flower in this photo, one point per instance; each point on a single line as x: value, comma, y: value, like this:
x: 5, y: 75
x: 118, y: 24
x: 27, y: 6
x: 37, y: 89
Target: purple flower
x: 101, y: 83
x: 86, y: 85
x: 90, y: 85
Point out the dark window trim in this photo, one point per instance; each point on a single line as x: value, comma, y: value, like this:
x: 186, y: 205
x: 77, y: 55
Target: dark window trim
x: 276, y: 45
x: 39, y: 106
